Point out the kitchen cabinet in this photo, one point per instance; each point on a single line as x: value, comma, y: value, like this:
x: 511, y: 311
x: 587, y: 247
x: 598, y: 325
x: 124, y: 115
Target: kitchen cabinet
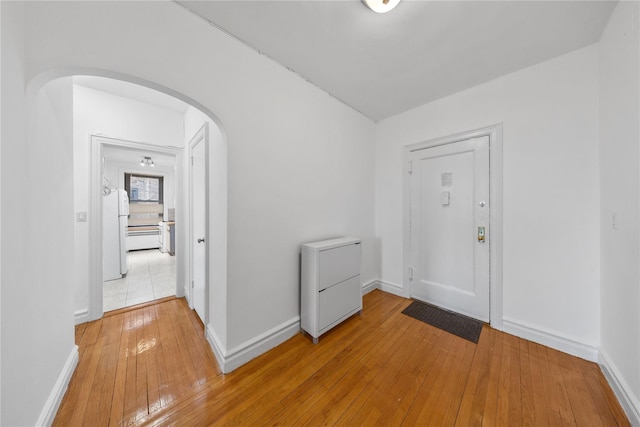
x: 331, y: 290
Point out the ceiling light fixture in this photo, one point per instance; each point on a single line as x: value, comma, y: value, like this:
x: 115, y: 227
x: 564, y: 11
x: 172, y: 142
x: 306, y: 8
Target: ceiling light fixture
x: 147, y: 161
x: 381, y: 6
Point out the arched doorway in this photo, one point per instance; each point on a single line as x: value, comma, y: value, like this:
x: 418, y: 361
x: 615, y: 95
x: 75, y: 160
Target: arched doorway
x: 92, y: 307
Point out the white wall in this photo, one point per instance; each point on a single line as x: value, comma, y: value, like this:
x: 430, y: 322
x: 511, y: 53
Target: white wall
x: 620, y: 195
x: 550, y: 204
x: 125, y: 118
x: 300, y: 163
x: 98, y: 112
x: 12, y: 161
x: 1, y: 136
x: 37, y: 243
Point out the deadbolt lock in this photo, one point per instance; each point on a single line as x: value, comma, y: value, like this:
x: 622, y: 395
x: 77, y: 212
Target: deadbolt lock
x: 481, y: 234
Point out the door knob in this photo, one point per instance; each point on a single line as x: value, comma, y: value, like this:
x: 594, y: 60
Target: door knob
x: 201, y: 240
x: 482, y: 204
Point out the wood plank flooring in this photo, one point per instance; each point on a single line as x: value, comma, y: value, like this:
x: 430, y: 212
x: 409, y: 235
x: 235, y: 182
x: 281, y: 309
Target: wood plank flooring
x: 152, y: 366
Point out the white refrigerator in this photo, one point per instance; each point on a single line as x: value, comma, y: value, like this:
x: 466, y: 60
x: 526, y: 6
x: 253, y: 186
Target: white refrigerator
x: 114, y: 234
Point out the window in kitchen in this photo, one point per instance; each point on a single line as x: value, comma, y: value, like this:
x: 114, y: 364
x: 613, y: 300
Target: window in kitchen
x: 145, y: 199
x: 143, y: 188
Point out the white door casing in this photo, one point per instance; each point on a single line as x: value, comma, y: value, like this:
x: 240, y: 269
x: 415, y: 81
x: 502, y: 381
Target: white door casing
x: 450, y: 225
x: 441, y: 279
x: 198, y: 236
x: 95, y: 213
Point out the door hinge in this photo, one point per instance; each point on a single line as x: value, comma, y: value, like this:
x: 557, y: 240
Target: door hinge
x: 410, y: 167
x: 192, y: 285
x: 410, y: 273
x: 191, y: 160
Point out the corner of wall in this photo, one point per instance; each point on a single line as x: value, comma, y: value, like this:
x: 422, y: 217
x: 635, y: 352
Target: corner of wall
x: 393, y: 289
x: 232, y: 359
x: 52, y: 404
x: 619, y: 132
x: 629, y: 402
x: 217, y: 347
x: 81, y: 316
x: 370, y: 286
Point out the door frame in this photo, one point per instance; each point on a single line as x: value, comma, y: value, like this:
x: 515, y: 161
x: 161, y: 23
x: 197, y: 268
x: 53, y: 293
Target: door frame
x: 202, y: 135
x: 495, y: 214
x: 98, y: 142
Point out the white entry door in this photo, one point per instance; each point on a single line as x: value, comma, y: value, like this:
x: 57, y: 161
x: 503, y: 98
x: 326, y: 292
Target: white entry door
x: 450, y: 226
x: 198, y: 235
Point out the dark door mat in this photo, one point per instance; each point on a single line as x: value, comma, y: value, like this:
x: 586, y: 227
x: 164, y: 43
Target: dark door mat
x: 454, y: 323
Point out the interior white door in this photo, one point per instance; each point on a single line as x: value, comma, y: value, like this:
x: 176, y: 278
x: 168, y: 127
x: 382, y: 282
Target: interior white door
x: 450, y: 226
x: 198, y: 235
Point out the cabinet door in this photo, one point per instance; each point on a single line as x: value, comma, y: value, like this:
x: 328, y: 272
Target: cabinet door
x: 338, y: 264
x: 339, y: 300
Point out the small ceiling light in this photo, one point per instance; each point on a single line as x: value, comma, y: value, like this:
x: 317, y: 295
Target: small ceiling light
x: 381, y: 6
x: 147, y: 161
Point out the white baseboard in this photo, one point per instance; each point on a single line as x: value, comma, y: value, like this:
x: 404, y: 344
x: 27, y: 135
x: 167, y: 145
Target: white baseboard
x: 550, y: 339
x: 50, y: 409
x: 629, y: 402
x: 187, y: 296
x: 239, y: 355
x: 81, y: 316
x: 369, y: 286
x: 392, y: 288
x: 217, y: 347
x: 181, y: 291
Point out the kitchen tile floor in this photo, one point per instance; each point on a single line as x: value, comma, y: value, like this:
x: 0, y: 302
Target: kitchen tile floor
x: 151, y: 275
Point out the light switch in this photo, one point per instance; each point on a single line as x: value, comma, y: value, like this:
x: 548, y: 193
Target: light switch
x: 444, y: 198
x: 81, y: 216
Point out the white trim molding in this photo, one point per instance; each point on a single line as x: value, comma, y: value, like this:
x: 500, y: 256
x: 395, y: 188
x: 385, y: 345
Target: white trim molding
x: 393, y: 289
x: 239, y: 355
x: 52, y: 404
x: 217, y: 347
x: 550, y: 339
x: 494, y: 133
x: 629, y: 402
x: 369, y: 286
x: 81, y: 316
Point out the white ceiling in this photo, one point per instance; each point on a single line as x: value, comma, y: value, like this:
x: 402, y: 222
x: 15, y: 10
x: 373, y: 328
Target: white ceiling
x: 132, y: 157
x: 384, y: 64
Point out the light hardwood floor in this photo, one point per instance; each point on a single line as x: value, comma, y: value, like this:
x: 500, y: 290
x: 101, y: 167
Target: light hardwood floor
x: 152, y: 366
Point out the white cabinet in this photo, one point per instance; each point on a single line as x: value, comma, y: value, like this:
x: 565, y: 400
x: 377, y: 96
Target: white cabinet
x: 331, y: 290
